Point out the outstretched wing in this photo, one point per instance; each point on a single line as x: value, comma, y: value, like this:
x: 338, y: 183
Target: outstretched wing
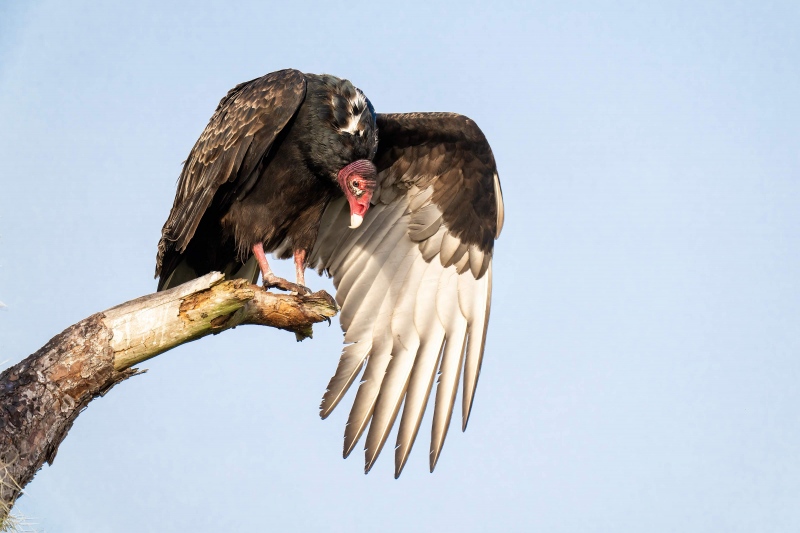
x: 414, y: 281
x: 236, y: 139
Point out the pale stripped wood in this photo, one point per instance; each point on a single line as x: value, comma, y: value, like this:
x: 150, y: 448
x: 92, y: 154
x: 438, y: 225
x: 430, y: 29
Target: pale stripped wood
x: 43, y: 394
x: 148, y: 326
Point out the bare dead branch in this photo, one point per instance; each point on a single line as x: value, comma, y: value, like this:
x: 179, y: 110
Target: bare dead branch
x: 41, y: 396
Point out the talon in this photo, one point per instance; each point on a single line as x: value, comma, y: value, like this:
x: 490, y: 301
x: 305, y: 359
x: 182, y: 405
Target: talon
x: 304, y: 291
x: 270, y: 280
x: 298, y: 289
x: 273, y: 281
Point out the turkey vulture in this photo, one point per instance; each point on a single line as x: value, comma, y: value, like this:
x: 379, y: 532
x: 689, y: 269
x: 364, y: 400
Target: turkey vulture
x: 402, y: 210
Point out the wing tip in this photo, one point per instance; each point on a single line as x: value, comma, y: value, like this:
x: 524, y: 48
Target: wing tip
x: 436, y: 447
x: 434, y: 459
x: 326, y: 406
x: 498, y: 198
x: 349, y: 446
x: 369, y: 462
x: 352, y: 436
x: 401, y: 454
x: 466, y: 409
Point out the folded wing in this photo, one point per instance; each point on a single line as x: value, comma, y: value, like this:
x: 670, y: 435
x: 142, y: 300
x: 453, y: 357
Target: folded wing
x: 414, y: 281
x: 235, y: 142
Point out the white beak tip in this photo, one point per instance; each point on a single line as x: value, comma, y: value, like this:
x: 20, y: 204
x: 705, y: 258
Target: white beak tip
x: 355, y: 220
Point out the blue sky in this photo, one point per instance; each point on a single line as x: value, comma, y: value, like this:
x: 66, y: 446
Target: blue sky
x: 642, y: 363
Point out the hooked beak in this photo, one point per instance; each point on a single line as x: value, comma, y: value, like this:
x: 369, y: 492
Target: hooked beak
x: 355, y: 220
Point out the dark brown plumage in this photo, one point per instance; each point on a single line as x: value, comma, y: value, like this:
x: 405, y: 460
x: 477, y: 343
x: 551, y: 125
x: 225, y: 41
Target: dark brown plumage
x: 262, y: 171
x: 450, y: 153
x: 290, y: 163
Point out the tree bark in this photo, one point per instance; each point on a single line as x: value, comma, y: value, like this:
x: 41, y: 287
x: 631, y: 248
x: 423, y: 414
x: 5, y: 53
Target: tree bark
x: 41, y: 396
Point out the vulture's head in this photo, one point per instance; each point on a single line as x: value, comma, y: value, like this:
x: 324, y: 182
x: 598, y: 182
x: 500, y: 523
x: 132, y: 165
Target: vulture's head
x: 357, y: 180
x: 342, y: 120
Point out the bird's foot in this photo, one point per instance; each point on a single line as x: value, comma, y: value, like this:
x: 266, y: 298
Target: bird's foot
x: 272, y: 280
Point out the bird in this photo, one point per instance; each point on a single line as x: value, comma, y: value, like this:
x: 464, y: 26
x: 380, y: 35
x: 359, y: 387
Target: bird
x: 402, y: 210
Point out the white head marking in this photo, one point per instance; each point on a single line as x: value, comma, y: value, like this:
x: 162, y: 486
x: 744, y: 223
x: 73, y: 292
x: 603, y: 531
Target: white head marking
x: 358, y: 104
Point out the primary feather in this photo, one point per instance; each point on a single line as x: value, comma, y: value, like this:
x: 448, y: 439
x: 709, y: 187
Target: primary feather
x: 414, y: 282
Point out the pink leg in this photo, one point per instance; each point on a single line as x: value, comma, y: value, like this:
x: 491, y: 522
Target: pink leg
x: 300, y: 266
x: 271, y: 280
x: 261, y: 257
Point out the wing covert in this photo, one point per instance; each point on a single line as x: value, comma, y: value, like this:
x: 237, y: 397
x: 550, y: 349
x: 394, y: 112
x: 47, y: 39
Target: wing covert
x: 414, y: 281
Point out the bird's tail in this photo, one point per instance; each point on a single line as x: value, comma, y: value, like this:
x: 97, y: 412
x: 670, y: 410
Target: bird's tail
x: 233, y: 270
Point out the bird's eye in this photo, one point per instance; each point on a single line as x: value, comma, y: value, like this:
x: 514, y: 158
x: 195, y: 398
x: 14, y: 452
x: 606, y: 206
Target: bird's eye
x: 355, y: 187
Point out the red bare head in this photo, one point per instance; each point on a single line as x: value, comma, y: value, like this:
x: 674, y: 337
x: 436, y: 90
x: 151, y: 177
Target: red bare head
x: 357, y: 180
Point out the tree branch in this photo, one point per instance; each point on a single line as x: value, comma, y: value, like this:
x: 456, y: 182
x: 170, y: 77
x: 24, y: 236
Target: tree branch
x: 41, y: 396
